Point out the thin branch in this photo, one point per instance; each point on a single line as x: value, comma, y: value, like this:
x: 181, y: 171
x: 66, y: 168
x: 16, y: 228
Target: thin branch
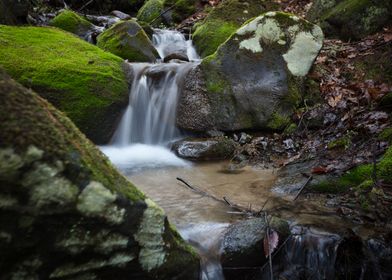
x: 303, y: 187
x: 269, y: 245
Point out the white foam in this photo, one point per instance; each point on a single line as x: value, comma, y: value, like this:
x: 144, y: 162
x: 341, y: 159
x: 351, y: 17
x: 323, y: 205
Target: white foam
x: 140, y: 156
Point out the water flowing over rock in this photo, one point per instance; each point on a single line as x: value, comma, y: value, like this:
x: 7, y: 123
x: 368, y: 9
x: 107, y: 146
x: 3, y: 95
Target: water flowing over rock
x: 128, y: 40
x: 254, y: 79
x: 151, y: 114
x: 66, y: 212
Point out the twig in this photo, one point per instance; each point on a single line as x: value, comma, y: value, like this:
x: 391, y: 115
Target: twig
x: 303, y: 187
x: 85, y: 5
x: 224, y: 200
x: 269, y: 245
x: 161, y: 14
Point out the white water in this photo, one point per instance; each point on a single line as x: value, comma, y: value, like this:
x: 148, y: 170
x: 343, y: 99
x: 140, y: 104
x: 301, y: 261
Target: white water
x: 149, y: 122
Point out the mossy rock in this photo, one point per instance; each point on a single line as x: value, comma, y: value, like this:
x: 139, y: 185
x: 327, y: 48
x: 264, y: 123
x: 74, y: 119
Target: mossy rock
x: 224, y: 20
x: 72, y: 22
x: 14, y: 12
x: 83, y: 81
x: 255, y: 79
x: 150, y: 12
x: 84, y: 219
x: 351, y: 19
x: 128, y: 40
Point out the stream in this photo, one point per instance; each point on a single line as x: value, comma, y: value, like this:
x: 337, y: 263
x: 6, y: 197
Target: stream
x: 140, y: 149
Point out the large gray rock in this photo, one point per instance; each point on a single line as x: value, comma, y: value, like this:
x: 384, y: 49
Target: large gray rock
x: 254, y: 80
x: 242, y: 244
x: 128, y: 40
x: 66, y: 212
x: 14, y: 11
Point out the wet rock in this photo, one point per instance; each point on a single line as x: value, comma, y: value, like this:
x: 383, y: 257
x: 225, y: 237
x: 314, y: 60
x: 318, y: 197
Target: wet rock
x: 14, y: 12
x: 176, y: 56
x: 242, y: 245
x: 351, y: 19
x: 120, y: 15
x: 205, y: 149
x: 84, y: 219
x: 254, y: 79
x: 128, y: 40
x: 88, y: 84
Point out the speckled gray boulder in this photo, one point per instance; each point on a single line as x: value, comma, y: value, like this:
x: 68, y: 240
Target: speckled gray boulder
x: 255, y: 79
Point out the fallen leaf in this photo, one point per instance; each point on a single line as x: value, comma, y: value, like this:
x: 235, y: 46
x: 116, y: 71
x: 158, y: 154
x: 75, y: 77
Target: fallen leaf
x: 319, y: 170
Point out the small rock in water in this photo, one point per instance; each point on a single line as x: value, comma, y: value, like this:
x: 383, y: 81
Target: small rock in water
x: 176, y: 56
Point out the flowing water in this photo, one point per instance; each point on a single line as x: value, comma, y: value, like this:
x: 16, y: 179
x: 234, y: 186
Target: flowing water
x: 140, y: 149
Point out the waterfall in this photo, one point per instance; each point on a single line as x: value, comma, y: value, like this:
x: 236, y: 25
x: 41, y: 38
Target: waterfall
x: 150, y: 118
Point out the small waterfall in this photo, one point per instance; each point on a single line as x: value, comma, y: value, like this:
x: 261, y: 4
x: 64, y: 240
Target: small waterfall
x: 151, y: 114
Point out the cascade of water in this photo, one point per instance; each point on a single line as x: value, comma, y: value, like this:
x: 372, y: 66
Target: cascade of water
x: 151, y: 114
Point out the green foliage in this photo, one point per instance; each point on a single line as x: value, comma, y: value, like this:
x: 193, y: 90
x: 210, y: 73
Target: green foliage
x: 290, y: 129
x: 77, y: 77
x: 278, y: 121
x: 386, y: 135
x: 71, y: 22
x: 150, y: 11
x: 342, y: 142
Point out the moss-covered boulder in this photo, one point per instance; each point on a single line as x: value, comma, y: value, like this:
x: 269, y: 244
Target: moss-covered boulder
x: 351, y: 19
x: 90, y: 85
x: 255, y: 78
x: 72, y: 22
x: 65, y: 212
x: 178, y: 10
x: 224, y: 20
x: 151, y: 11
x: 128, y: 40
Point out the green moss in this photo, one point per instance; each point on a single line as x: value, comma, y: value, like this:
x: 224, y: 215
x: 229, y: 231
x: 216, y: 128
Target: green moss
x: 77, y: 77
x: 356, y: 18
x: 278, y: 121
x: 224, y: 20
x: 181, y: 9
x: 71, y: 22
x: 28, y: 120
x: 211, y: 34
x: 128, y: 40
x: 386, y: 135
x: 150, y: 11
x: 328, y: 186
x: 290, y: 129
